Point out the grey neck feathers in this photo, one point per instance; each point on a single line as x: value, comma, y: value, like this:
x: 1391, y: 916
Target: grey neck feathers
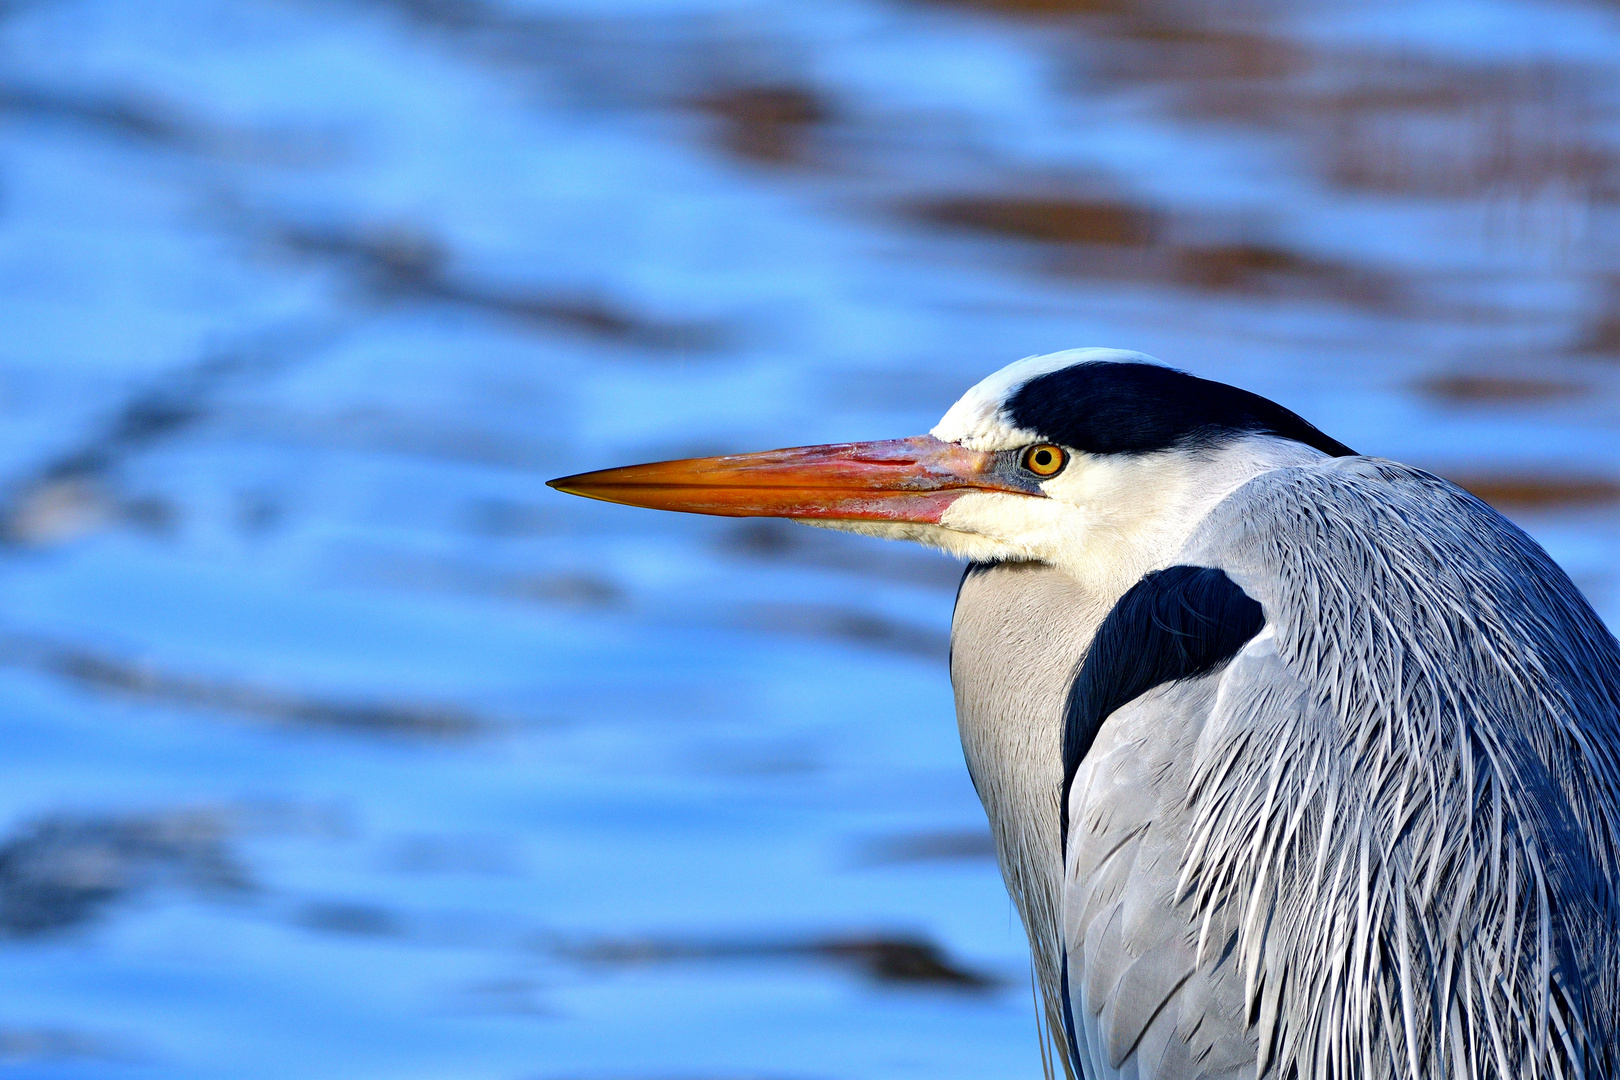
x: 1017, y: 638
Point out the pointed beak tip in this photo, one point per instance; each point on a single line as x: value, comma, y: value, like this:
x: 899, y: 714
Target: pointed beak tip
x: 569, y: 485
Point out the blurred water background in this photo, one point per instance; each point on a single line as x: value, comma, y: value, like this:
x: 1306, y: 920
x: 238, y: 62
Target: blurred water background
x: 335, y: 745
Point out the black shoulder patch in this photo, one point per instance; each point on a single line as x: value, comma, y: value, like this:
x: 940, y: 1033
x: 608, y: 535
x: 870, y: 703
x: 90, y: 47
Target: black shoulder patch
x: 1176, y: 623
x: 1116, y: 407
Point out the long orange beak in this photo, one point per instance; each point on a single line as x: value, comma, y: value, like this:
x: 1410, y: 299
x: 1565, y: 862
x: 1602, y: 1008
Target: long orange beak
x: 899, y: 480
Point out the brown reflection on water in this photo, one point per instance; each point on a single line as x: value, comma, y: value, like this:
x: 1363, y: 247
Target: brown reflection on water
x: 767, y: 124
x: 1600, y: 337
x: 1115, y: 238
x: 1513, y: 156
x: 1049, y: 218
x: 1368, y: 120
x: 1045, y: 8
x: 1390, y: 121
x: 1145, y: 47
x: 1468, y: 388
x: 1510, y: 492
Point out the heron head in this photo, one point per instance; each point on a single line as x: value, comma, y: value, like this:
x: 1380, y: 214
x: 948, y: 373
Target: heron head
x: 1077, y: 458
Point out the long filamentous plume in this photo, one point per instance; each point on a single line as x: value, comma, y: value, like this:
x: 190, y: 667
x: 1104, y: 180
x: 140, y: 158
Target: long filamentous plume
x: 1411, y: 844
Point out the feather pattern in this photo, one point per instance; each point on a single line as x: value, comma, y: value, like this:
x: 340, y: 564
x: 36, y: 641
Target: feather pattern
x: 1406, y: 797
x: 1143, y: 1005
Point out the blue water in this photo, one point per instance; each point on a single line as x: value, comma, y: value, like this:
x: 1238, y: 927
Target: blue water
x: 336, y: 745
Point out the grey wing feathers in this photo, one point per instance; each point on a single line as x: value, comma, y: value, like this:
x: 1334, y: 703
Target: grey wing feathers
x: 1142, y: 1005
x: 1382, y: 841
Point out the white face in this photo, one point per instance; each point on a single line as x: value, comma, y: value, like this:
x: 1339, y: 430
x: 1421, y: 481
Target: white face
x: 1105, y: 518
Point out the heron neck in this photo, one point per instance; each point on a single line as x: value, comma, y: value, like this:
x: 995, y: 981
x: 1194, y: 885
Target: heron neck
x: 1018, y: 634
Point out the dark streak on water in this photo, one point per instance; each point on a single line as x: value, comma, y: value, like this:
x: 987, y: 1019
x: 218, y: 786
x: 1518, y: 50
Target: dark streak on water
x: 62, y: 872
x: 120, y: 676
x: 928, y: 847
x: 898, y: 960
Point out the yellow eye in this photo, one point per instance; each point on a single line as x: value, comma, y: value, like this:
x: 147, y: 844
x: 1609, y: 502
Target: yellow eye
x: 1045, y: 459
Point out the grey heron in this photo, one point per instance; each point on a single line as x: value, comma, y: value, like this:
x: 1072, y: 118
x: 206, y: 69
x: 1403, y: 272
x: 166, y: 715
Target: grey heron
x: 1299, y: 763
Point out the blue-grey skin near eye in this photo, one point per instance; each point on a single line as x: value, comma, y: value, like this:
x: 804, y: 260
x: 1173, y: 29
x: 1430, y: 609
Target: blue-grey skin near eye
x: 1009, y: 468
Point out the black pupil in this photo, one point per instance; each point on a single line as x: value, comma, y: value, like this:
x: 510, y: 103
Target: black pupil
x: 1043, y: 458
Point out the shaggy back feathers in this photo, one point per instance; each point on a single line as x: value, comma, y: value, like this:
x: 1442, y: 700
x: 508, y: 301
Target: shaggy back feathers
x: 1414, y: 814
